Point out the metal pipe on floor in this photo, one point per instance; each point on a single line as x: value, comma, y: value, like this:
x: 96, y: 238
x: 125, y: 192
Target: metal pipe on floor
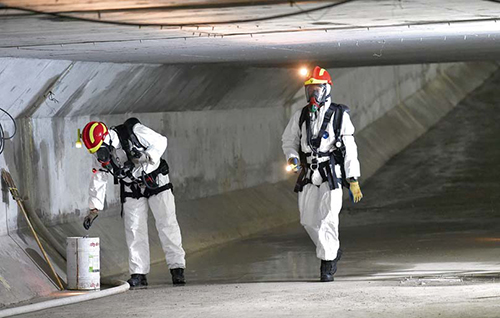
x: 123, y: 287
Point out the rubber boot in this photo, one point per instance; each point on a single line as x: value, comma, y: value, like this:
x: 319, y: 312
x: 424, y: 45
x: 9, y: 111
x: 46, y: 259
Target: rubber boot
x: 138, y: 281
x: 329, y: 268
x: 178, y: 276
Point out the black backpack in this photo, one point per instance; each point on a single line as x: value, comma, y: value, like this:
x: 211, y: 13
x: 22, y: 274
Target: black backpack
x: 128, y: 140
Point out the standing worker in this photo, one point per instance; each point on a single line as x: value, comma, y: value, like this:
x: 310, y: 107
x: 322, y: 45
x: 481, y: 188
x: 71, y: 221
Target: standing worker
x: 318, y: 142
x: 132, y: 152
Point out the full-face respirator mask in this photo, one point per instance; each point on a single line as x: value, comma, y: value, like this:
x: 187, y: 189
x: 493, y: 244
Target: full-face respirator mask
x: 316, y: 96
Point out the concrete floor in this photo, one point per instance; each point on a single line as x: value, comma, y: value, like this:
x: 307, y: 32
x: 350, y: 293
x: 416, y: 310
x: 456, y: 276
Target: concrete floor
x: 432, y: 248
x: 426, y: 270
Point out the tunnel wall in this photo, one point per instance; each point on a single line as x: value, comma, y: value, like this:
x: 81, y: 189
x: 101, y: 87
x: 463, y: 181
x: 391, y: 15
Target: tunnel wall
x: 224, y: 126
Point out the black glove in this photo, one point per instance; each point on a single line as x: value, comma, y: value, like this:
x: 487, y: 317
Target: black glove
x: 87, y: 222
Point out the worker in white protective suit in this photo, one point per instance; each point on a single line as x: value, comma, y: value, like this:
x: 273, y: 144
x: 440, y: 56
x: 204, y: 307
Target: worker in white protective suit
x: 318, y: 143
x: 131, y: 153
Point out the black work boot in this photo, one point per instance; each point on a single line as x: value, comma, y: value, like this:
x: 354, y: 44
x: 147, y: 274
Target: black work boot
x: 138, y: 281
x: 178, y: 276
x: 329, y: 268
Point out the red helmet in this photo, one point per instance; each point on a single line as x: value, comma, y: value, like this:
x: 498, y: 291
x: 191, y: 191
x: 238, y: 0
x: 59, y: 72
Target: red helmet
x: 93, y: 135
x: 318, y: 76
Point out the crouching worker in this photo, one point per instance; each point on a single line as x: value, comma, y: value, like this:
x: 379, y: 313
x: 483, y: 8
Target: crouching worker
x: 318, y: 142
x: 131, y: 153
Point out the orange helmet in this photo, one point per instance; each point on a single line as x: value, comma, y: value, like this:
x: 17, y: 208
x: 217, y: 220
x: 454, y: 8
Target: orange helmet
x: 318, y: 76
x: 93, y: 135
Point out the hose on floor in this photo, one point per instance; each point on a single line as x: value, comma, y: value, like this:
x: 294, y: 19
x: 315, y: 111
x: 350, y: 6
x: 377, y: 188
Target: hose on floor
x: 2, y: 132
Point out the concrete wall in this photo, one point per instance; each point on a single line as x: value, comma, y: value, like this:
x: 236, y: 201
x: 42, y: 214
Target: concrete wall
x: 220, y: 135
x: 397, y: 104
x: 224, y: 127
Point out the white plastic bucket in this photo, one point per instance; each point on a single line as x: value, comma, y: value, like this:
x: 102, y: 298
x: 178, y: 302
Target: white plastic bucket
x: 83, y: 266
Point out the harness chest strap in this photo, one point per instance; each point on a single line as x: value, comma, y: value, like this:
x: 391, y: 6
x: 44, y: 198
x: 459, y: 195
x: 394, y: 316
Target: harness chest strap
x: 316, y: 142
x: 326, y: 168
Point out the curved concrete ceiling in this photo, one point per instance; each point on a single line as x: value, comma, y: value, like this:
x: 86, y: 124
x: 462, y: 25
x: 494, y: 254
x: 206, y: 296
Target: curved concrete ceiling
x: 339, y: 32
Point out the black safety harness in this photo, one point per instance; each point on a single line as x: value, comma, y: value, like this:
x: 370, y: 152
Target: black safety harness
x: 335, y: 156
x: 147, y: 185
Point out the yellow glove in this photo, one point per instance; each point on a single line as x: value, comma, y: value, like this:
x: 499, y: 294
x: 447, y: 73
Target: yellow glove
x: 355, y: 191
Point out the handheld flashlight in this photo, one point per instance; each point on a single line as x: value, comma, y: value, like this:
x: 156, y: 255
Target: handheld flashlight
x: 292, y: 165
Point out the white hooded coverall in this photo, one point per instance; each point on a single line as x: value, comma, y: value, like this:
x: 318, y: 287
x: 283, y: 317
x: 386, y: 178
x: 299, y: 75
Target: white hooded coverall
x: 318, y: 205
x: 135, y: 211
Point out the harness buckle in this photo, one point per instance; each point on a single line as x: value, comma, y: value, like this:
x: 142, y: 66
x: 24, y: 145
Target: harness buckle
x: 314, y: 164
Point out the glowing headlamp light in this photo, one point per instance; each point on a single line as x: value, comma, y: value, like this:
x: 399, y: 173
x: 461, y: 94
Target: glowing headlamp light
x: 78, y: 143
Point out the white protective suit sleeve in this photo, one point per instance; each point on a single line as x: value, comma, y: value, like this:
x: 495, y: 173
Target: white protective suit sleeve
x: 97, y: 188
x: 291, y: 137
x: 155, y: 144
x: 351, y: 163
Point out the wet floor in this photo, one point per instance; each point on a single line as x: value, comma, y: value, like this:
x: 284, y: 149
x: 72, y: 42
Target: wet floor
x: 385, y: 252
